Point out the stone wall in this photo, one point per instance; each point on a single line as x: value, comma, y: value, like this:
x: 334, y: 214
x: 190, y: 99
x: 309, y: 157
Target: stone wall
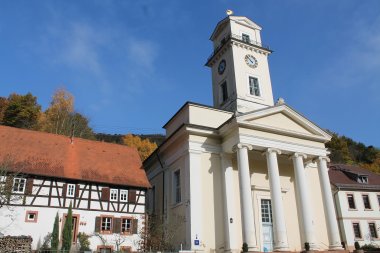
x: 15, y: 244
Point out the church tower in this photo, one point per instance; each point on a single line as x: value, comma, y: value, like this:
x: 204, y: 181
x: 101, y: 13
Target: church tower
x: 239, y: 65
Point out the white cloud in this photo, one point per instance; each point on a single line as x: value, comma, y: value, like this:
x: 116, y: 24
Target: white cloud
x: 143, y: 53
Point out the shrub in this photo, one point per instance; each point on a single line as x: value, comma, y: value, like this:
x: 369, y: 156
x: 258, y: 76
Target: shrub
x: 370, y: 247
x: 307, y: 246
x: 84, y: 242
x: 357, y: 245
x: 245, y: 247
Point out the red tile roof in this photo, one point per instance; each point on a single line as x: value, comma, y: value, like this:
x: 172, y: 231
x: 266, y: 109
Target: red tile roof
x: 52, y: 155
x: 340, y: 176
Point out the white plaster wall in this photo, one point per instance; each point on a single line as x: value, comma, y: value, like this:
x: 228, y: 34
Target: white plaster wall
x: 208, y: 117
x: 13, y: 223
x: 359, y: 215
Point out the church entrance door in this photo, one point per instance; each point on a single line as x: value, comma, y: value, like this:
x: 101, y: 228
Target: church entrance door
x: 267, y: 225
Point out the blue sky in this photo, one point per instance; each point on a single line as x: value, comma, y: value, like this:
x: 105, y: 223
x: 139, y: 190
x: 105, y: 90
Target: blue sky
x: 132, y: 64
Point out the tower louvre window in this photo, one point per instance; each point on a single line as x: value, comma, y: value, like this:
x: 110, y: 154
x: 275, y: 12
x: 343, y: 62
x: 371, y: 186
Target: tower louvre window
x: 254, y: 88
x: 245, y: 38
x: 224, y: 91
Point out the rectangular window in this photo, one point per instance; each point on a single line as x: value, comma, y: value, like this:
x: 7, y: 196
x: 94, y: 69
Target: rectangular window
x: 224, y: 91
x: 372, y: 229
x: 254, y: 88
x: 123, y: 195
x: 245, y: 38
x: 351, y: 201
x: 19, y: 185
x: 366, y: 203
x: 266, y: 211
x: 70, y: 190
x: 31, y: 216
x: 126, y: 225
x: 356, y: 227
x: 177, y: 186
x: 106, y: 224
x: 113, y: 194
x: 104, y: 249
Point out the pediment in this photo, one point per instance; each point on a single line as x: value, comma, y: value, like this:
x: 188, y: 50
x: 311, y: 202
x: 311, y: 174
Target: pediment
x: 239, y: 19
x: 245, y: 21
x: 284, y: 120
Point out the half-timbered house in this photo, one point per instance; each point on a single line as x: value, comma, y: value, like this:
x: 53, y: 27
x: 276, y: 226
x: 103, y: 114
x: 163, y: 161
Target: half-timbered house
x: 104, y: 183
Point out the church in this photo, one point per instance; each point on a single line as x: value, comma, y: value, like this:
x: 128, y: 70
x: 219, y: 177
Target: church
x: 247, y: 169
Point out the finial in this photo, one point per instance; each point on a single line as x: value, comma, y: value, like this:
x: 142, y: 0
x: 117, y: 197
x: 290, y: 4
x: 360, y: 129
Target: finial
x: 280, y: 101
x: 229, y: 12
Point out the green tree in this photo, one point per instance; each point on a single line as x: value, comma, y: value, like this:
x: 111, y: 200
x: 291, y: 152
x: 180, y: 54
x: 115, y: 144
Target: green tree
x: 22, y: 111
x: 55, y: 234
x: 339, y: 150
x: 67, y: 233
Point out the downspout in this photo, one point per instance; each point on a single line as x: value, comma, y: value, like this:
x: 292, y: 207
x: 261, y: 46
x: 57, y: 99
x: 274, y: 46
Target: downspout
x: 163, y: 184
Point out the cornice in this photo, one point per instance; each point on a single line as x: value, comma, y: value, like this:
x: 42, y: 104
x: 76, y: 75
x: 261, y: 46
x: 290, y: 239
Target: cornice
x: 250, y: 47
x: 261, y: 143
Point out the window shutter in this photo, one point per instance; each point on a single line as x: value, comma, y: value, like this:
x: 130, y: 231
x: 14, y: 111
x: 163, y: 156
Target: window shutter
x: 29, y: 186
x: 64, y: 190
x: 105, y: 194
x: 97, y: 224
x: 77, y: 190
x: 134, y: 226
x: 116, y: 225
x: 132, y: 196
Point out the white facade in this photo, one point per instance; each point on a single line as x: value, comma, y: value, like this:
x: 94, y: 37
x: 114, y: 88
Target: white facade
x: 250, y: 171
x: 352, y: 212
x: 33, y: 210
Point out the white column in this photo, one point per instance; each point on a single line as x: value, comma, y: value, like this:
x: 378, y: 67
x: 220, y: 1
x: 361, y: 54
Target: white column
x: 304, y: 199
x: 279, y: 228
x: 247, y: 219
x: 196, y: 194
x: 328, y: 204
x: 229, y: 204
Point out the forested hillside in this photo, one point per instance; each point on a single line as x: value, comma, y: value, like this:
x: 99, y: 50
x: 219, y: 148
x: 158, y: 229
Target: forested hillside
x: 345, y: 150
x: 23, y: 111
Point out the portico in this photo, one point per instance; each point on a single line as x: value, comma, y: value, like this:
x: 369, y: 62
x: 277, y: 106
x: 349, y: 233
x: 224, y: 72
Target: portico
x: 280, y: 235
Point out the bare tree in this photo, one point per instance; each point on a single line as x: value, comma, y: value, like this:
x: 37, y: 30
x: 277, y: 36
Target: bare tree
x: 158, y: 235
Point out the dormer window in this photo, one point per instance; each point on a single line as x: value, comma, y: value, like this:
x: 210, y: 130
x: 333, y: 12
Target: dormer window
x: 363, y: 179
x: 245, y: 38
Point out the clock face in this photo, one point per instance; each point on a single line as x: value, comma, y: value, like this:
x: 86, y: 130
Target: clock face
x: 251, y: 61
x: 222, y: 67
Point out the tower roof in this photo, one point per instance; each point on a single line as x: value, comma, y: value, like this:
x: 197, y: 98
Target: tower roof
x: 238, y: 19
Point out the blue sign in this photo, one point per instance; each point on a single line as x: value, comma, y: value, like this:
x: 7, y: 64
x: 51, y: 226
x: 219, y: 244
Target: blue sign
x: 196, y: 242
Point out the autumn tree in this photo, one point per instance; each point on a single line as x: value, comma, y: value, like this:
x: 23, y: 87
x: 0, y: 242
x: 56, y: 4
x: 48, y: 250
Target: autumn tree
x: 3, y: 106
x: 143, y: 146
x: 339, y: 150
x: 61, y: 118
x: 21, y: 111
